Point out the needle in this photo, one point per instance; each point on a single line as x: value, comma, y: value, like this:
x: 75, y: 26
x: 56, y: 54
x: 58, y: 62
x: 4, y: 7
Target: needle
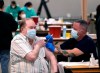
x: 49, y: 38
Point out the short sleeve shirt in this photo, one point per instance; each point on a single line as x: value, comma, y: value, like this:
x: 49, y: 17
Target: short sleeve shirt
x: 86, y: 45
x: 19, y: 49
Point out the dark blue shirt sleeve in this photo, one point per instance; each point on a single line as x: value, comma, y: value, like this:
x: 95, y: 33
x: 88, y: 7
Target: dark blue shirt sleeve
x: 69, y: 44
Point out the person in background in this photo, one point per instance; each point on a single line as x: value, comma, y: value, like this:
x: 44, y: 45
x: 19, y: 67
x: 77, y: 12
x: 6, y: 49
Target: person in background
x: 13, y: 9
x: 28, y: 52
x: 21, y: 15
x: 7, y: 26
x: 97, y: 27
x: 79, y: 47
x: 29, y: 10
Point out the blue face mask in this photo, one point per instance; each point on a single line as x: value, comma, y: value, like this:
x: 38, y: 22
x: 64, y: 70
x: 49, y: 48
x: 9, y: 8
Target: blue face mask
x: 74, y: 33
x: 31, y: 33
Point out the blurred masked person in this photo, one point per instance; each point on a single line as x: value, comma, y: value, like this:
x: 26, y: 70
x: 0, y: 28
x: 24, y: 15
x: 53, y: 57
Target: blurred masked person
x: 7, y: 26
x: 13, y: 9
x: 29, y: 10
x: 21, y: 15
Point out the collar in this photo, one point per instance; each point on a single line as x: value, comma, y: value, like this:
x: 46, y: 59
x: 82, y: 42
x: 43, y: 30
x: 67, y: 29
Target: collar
x: 24, y: 37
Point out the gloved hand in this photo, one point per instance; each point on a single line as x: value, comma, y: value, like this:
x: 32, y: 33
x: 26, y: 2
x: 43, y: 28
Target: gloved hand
x: 49, y: 38
x: 50, y: 46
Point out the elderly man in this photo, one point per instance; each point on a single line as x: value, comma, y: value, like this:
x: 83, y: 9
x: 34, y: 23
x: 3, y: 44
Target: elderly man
x: 28, y: 52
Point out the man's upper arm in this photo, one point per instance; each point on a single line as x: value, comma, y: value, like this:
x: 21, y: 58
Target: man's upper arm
x: 69, y: 44
x: 49, y: 54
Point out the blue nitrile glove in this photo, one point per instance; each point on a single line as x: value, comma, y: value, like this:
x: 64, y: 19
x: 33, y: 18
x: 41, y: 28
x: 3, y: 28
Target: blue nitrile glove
x: 50, y: 46
x: 49, y: 38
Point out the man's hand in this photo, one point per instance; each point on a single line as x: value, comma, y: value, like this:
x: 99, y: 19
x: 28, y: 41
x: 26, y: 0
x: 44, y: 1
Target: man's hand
x: 40, y: 43
x: 58, y: 49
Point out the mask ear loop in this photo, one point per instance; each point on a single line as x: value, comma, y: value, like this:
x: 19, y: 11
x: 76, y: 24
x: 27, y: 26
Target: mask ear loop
x: 80, y: 32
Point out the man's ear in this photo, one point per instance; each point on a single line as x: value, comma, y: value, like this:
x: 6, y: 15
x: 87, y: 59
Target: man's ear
x: 21, y: 29
x: 79, y: 33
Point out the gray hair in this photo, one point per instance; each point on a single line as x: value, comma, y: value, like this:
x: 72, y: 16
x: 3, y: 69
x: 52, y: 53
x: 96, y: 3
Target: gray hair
x: 83, y: 23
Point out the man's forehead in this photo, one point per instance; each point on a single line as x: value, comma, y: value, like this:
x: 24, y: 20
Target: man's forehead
x: 30, y: 22
x: 76, y: 24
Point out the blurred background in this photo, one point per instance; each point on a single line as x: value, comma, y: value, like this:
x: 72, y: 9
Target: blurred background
x: 61, y: 8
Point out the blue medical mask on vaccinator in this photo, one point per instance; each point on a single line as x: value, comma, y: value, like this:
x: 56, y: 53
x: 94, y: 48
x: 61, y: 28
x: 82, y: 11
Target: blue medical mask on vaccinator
x: 74, y: 33
x: 31, y: 33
